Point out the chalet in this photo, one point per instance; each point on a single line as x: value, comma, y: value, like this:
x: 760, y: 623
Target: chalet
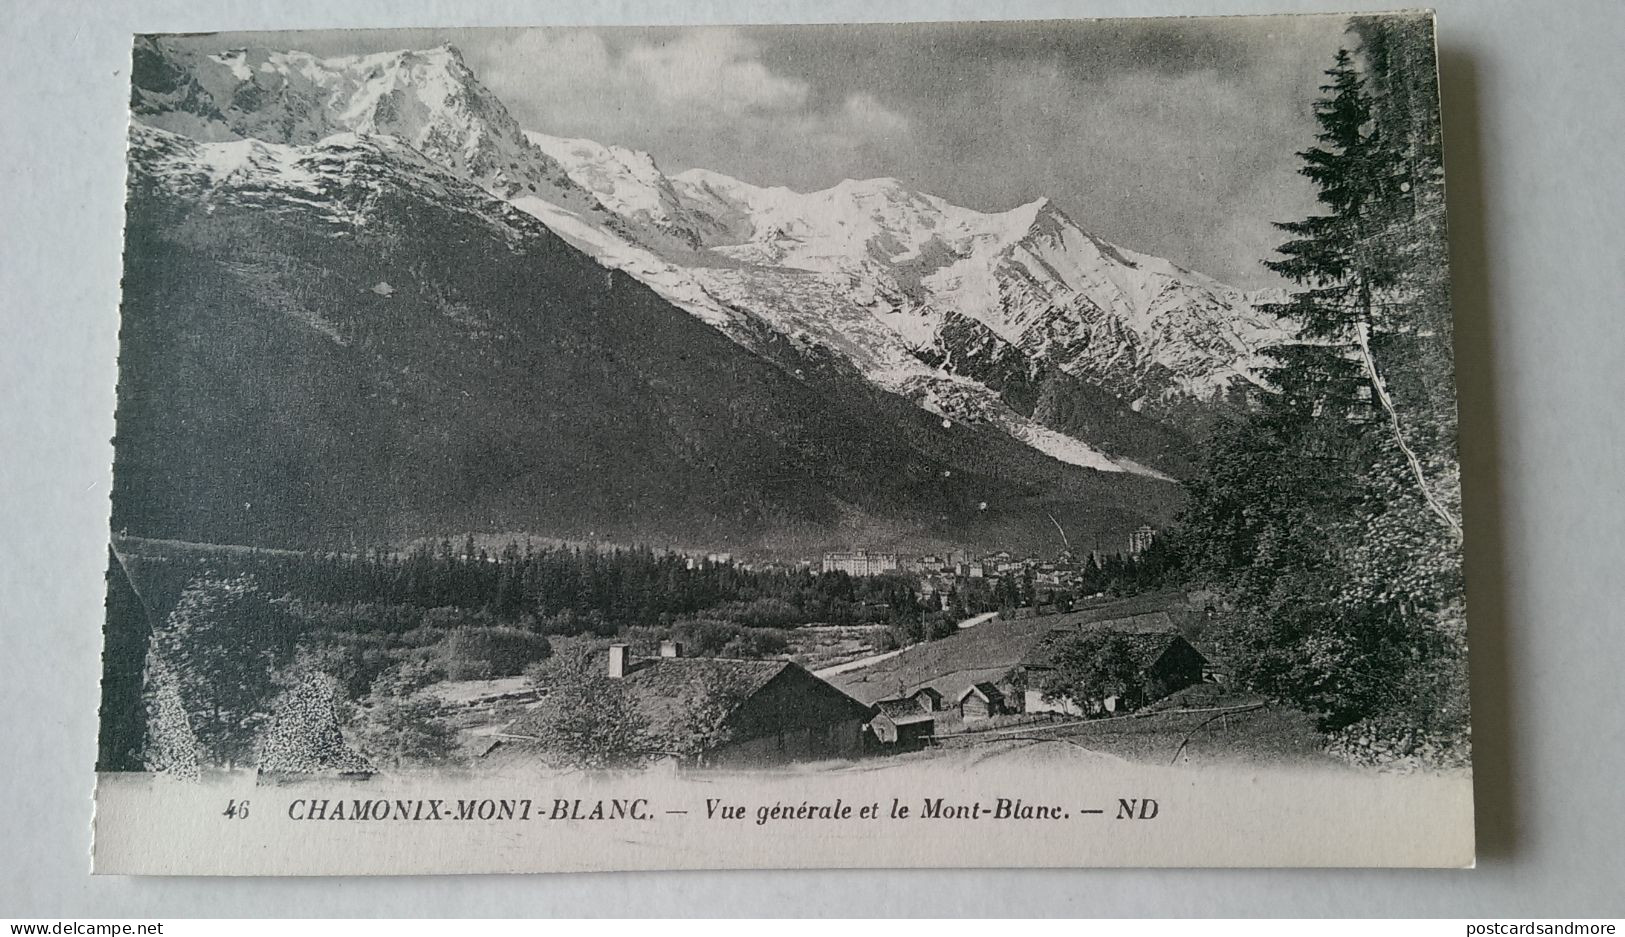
x: 903, y: 724
x: 928, y: 698
x: 1165, y: 662
x: 981, y: 701
x: 766, y: 711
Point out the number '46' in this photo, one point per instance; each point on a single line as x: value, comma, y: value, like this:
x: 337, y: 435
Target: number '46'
x: 236, y: 810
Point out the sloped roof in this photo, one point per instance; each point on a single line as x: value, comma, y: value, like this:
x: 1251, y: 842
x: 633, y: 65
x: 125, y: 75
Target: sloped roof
x: 903, y: 711
x: 986, y: 691
x: 662, y: 687
x: 1144, y: 646
x: 664, y: 690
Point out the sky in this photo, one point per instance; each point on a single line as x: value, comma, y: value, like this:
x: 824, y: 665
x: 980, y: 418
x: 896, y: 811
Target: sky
x: 1177, y: 137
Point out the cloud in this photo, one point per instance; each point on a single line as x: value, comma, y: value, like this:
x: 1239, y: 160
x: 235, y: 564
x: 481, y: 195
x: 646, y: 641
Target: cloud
x: 681, y: 94
x: 864, y: 110
x: 1176, y: 137
x: 1173, y: 137
x: 716, y: 70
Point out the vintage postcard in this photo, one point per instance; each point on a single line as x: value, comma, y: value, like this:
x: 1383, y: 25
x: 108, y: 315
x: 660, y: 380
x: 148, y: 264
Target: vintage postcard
x: 1001, y: 444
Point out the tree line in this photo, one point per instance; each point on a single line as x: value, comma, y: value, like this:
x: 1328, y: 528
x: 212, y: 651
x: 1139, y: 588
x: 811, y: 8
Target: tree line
x: 571, y: 590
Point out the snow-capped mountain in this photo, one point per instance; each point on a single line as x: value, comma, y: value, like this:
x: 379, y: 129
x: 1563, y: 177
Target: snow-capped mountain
x: 628, y: 183
x: 1001, y: 319
x: 1140, y: 326
x: 344, y: 339
x: 428, y: 100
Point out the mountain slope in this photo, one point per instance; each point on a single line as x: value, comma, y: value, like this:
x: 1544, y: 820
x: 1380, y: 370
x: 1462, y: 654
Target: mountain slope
x: 1138, y: 326
x: 347, y: 340
x: 428, y: 100
x: 1018, y: 327
x: 611, y: 202
x: 891, y: 277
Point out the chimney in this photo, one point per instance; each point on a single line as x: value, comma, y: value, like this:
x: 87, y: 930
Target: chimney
x: 671, y: 649
x: 617, y: 661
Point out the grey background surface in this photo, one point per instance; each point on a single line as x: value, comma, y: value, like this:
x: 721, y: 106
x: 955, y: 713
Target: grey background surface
x: 1532, y: 103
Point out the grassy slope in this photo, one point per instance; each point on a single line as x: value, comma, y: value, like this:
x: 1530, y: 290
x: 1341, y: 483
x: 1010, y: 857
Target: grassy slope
x: 986, y: 652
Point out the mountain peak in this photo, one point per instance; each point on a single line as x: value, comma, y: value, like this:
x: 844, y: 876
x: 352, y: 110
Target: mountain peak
x: 445, y: 57
x: 427, y: 98
x: 1039, y: 212
x: 576, y: 151
x: 447, y: 49
x: 976, y: 315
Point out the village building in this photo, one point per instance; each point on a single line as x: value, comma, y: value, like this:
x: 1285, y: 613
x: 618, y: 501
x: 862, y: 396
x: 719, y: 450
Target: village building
x: 902, y: 724
x: 766, y: 711
x: 861, y: 563
x: 981, y: 701
x: 928, y: 564
x: 1165, y: 662
x: 928, y: 698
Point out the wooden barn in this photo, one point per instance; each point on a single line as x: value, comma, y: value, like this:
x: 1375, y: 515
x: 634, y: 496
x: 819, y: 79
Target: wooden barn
x: 770, y: 712
x: 1166, y: 663
x: 903, y: 724
x: 928, y: 698
x: 981, y: 701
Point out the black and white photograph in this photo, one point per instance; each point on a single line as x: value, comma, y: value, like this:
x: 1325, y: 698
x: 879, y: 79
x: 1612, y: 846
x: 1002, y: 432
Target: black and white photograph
x: 818, y: 460
x: 926, y: 405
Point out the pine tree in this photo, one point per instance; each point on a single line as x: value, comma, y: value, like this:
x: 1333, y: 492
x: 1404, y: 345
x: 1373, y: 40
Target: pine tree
x: 1371, y: 271
x: 172, y: 748
x: 399, y: 724
x: 1326, y: 515
x: 219, y: 649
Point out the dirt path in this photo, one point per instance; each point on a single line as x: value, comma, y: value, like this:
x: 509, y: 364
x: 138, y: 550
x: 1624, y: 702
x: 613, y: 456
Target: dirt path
x: 863, y: 662
x: 975, y: 620
x: 858, y: 664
